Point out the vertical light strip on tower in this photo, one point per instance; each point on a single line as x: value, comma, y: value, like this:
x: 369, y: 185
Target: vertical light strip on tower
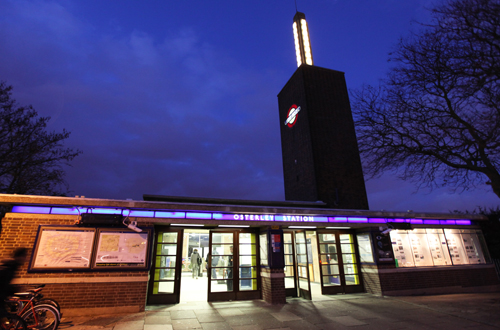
x: 302, y: 43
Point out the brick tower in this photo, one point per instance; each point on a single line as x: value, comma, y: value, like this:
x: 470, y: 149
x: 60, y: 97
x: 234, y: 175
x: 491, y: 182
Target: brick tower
x: 320, y: 152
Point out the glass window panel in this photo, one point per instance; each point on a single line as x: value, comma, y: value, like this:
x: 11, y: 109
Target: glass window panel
x: 248, y: 238
x: 165, y: 261
x: 167, y: 237
x: 165, y: 249
x: 248, y: 272
x: 288, y: 249
x: 350, y: 269
x: 329, y: 259
x: 287, y: 238
x: 222, y: 238
x: 300, y: 238
x: 217, y: 273
x: 248, y: 261
x: 331, y: 280
x: 472, y: 247
x: 289, y: 259
x: 303, y: 284
x: 222, y: 249
x: 420, y: 248
x: 224, y: 272
x: 263, y: 249
x: 221, y: 286
x: 437, y: 244
x: 347, y: 248
x: 165, y: 274
x: 352, y: 279
x: 327, y: 238
x: 349, y: 258
x: 365, y: 248
x: 246, y: 285
x: 216, y: 261
x: 328, y: 248
x: 456, y: 247
x: 289, y: 282
x: 302, y: 271
x: 346, y: 238
x: 301, y: 248
x: 401, y: 248
x: 302, y: 259
x: 330, y: 269
x: 484, y: 248
x: 248, y: 249
x: 165, y: 287
x: 289, y: 271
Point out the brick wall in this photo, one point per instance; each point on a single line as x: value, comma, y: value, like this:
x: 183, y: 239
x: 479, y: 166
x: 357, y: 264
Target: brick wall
x: 273, y: 285
x: 429, y: 281
x: 371, y: 279
x: 76, y: 289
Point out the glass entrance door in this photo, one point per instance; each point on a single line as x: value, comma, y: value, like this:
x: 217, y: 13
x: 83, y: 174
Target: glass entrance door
x: 164, y: 282
x: 302, y: 263
x: 233, y: 266
x: 339, y: 263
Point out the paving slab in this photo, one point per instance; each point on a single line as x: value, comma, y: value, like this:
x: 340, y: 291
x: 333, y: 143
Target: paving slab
x: 158, y: 327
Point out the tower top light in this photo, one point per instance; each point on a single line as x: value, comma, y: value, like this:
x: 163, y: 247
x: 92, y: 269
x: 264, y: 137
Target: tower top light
x: 303, y: 50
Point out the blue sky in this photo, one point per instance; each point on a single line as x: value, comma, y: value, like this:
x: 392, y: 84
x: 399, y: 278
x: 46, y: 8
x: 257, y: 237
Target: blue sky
x: 179, y: 97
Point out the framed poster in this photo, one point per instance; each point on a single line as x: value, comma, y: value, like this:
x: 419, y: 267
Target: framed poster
x: 59, y: 248
x: 122, y: 248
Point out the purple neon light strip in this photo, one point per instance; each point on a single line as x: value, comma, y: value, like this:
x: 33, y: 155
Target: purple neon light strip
x: 377, y: 220
x: 31, y: 209
x: 69, y: 211
x: 431, y: 222
x: 220, y: 216
x: 177, y: 215
x: 357, y: 220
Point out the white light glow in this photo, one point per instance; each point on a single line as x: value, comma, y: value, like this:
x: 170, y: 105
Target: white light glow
x: 301, y: 227
x: 297, y: 45
x: 307, y: 44
x: 185, y: 225
x: 234, y: 226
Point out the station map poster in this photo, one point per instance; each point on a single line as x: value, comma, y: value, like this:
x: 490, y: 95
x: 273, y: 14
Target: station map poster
x: 122, y: 249
x: 62, y: 248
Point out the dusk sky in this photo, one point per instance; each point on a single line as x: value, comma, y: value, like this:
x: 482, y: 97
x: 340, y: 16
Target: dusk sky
x: 179, y: 97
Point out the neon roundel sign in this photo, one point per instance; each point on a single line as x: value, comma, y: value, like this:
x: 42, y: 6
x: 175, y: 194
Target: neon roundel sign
x: 291, y: 118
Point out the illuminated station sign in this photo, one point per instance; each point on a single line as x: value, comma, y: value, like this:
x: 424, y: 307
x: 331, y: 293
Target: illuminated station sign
x: 194, y: 215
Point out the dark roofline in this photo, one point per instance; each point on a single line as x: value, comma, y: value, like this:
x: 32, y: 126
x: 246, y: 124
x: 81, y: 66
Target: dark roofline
x: 222, y: 201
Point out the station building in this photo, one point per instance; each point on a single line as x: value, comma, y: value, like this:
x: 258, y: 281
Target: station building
x: 105, y: 256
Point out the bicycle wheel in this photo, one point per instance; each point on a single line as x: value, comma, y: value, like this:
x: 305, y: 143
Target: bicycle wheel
x: 52, y: 302
x: 13, y: 322
x: 42, y: 317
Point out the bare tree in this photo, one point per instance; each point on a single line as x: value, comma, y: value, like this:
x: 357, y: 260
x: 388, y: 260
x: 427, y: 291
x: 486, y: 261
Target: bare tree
x: 31, y: 159
x: 435, y: 118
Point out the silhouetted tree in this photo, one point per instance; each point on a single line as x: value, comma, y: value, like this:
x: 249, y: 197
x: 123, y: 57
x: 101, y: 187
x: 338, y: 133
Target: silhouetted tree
x: 435, y: 118
x: 31, y: 159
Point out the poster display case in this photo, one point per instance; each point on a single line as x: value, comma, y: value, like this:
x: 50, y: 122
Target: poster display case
x: 62, y: 248
x: 71, y: 248
x: 438, y: 247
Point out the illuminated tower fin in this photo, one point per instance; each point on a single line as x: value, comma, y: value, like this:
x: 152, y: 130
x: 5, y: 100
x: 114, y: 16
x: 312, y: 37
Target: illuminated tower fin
x: 303, y: 50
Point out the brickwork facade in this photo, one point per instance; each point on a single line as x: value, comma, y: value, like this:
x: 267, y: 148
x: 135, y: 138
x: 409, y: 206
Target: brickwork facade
x: 320, y: 152
x: 273, y: 285
x: 73, y: 290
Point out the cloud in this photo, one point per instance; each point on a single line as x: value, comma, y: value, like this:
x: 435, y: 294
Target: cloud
x: 172, y: 116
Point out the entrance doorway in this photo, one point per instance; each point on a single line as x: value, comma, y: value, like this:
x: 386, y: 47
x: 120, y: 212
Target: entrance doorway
x: 194, y: 281
x: 319, y: 262
x: 229, y: 269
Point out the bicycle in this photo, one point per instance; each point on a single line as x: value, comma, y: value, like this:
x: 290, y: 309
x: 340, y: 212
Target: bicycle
x: 40, y: 300
x: 36, y: 316
x: 12, y: 322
